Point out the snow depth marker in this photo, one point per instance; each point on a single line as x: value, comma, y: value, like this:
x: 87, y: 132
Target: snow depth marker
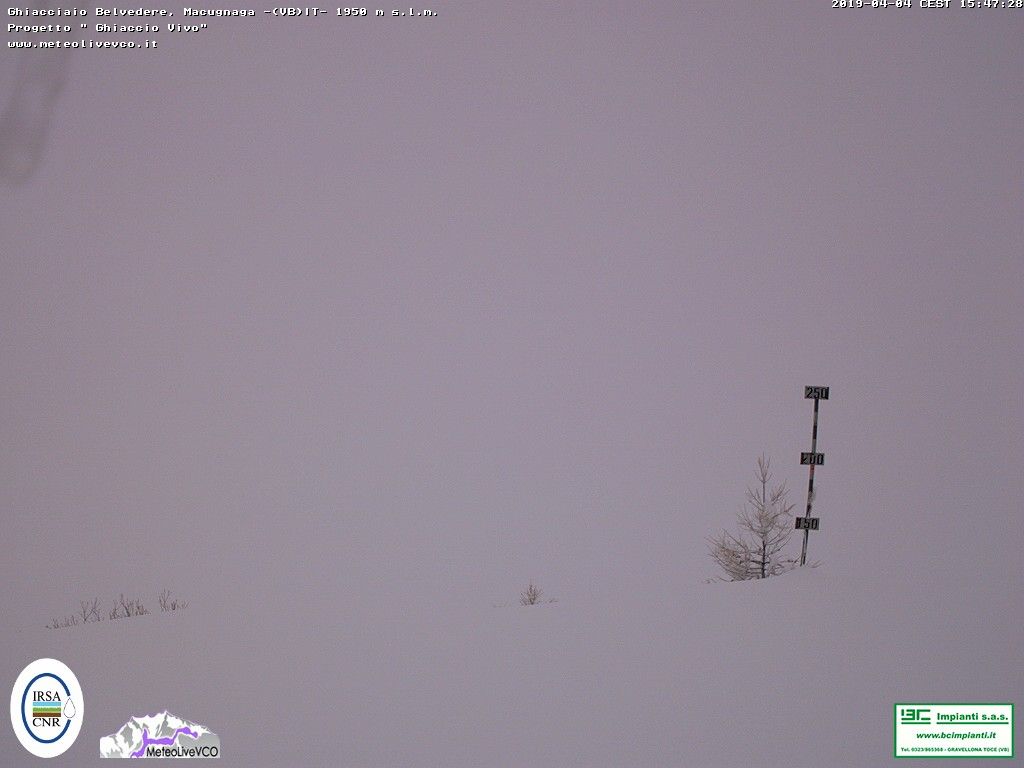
x: 812, y: 459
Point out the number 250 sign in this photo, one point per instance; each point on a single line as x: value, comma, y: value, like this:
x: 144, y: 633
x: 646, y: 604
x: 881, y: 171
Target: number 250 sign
x: 816, y: 393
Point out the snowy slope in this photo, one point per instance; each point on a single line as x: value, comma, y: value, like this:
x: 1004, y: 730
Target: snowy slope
x: 801, y: 670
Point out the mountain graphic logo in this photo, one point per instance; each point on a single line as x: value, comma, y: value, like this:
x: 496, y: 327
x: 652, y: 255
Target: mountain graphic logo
x: 161, y: 735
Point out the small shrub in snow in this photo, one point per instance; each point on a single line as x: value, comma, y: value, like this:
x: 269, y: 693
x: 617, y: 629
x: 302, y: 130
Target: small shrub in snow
x: 90, y: 611
x: 127, y: 607
x: 167, y: 603
x: 532, y: 595
x: 67, y: 621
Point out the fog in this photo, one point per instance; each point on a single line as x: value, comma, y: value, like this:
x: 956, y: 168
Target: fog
x: 409, y: 313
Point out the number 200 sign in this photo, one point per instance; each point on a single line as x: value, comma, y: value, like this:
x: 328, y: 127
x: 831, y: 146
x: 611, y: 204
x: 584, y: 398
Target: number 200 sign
x: 816, y: 393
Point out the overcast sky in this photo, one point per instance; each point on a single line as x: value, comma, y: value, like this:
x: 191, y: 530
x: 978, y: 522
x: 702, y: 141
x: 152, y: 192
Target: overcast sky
x: 382, y: 309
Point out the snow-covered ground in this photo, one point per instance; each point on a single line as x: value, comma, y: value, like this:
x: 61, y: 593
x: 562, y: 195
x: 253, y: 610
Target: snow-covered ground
x: 801, y: 670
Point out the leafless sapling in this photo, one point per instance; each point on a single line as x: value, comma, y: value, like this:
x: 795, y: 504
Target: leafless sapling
x: 765, y: 523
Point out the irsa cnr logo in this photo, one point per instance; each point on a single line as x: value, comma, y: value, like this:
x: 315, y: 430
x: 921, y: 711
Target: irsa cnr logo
x: 47, y: 707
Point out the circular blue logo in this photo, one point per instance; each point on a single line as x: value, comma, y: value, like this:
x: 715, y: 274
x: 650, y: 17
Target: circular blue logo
x: 47, y: 708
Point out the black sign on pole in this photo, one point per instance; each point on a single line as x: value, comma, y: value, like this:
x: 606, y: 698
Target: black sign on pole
x: 811, y: 459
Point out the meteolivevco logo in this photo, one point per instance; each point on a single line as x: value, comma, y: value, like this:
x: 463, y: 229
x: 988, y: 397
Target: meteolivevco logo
x: 161, y: 735
x: 47, y: 708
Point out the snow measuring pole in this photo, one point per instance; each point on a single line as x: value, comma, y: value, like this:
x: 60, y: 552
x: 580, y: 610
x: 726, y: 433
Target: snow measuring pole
x: 813, y: 459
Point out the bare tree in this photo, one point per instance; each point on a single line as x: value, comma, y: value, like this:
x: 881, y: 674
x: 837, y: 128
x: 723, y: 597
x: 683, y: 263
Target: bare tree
x: 765, y: 528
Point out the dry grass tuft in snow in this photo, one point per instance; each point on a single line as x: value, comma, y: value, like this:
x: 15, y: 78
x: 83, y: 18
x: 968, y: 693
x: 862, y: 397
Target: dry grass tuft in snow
x: 167, y: 603
x: 123, y: 608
